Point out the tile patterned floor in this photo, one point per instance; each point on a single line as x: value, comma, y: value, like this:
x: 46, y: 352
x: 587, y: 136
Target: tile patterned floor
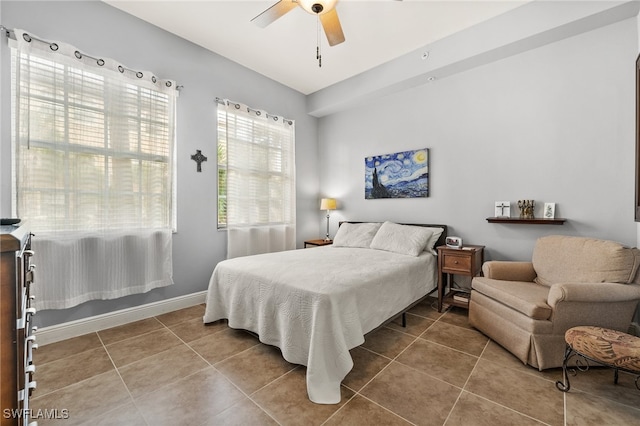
x: 173, y: 370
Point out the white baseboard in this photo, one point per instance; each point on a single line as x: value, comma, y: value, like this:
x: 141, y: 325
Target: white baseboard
x: 67, y: 330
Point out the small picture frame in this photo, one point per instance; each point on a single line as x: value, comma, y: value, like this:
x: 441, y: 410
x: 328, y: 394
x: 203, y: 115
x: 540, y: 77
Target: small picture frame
x: 503, y: 209
x: 549, y: 211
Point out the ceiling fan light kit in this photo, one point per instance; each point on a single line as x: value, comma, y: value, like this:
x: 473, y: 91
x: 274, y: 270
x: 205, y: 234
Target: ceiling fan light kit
x: 317, y: 6
x: 325, y: 10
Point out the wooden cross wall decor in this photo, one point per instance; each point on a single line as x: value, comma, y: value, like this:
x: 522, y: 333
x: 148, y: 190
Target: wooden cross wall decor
x: 198, y: 158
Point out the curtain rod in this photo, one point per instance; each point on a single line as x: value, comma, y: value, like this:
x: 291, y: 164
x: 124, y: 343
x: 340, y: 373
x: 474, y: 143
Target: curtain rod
x: 79, y: 55
x: 7, y: 32
x: 257, y: 111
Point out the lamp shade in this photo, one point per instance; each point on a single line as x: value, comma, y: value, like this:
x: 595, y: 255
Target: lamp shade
x: 328, y: 204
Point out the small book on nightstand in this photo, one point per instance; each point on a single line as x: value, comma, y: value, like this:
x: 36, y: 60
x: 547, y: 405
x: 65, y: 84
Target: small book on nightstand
x: 461, y: 297
x: 461, y: 294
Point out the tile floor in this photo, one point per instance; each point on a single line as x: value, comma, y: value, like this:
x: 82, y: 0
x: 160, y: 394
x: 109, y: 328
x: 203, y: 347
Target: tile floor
x: 173, y: 370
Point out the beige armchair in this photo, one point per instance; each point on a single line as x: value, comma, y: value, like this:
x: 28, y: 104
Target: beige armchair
x: 527, y: 306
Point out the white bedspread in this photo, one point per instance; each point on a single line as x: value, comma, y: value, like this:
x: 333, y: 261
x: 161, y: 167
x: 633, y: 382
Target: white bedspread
x: 318, y: 303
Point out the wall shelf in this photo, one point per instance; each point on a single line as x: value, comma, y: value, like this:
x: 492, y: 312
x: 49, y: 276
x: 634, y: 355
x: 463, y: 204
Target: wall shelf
x: 535, y: 221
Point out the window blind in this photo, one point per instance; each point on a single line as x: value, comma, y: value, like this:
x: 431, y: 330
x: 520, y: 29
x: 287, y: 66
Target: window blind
x: 259, y: 168
x: 94, y: 151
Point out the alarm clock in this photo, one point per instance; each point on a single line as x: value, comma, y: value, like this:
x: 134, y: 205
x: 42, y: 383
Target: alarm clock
x: 453, y: 242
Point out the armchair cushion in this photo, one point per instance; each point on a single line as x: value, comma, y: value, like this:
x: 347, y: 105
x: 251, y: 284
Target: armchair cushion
x: 592, y: 292
x: 509, y: 270
x: 560, y: 258
x: 525, y: 297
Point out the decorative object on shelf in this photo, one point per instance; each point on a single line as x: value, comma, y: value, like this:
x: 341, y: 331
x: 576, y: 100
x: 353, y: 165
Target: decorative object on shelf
x: 198, y: 158
x: 503, y: 209
x: 328, y: 204
x: 549, y: 210
x: 526, y: 208
x: 399, y: 175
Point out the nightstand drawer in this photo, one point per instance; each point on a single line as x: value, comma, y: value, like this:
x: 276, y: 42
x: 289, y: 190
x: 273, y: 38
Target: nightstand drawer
x: 456, y: 263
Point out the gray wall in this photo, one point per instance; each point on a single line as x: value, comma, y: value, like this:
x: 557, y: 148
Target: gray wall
x: 99, y: 29
x: 554, y: 124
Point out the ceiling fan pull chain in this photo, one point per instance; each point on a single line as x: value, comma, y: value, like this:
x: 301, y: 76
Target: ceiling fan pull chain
x: 318, y: 52
x: 327, y: 19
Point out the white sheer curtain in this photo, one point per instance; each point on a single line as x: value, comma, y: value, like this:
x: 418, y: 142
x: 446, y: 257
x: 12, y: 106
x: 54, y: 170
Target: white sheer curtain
x: 93, y: 171
x: 260, y: 176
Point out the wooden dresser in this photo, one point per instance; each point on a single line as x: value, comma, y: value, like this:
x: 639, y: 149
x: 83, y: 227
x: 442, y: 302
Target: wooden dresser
x: 17, y: 339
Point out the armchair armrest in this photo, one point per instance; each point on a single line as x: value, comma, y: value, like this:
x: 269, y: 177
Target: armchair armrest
x: 592, y: 292
x: 509, y: 270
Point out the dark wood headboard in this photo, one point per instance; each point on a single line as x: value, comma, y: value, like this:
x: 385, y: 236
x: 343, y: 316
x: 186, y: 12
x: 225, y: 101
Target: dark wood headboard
x: 440, y: 241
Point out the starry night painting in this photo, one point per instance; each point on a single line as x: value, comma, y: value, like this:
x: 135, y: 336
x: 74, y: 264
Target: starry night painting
x: 400, y: 175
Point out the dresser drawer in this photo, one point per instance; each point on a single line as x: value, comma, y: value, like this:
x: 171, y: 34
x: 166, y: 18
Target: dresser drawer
x: 452, y: 262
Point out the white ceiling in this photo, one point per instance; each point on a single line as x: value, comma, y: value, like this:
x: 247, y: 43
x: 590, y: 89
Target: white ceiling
x: 376, y: 32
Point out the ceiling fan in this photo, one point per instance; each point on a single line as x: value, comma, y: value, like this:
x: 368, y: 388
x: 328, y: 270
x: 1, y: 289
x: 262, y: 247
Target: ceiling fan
x: 324, y: 9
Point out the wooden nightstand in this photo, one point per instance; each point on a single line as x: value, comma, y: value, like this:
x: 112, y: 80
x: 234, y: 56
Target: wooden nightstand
x: 317, y: 243
x: 452, y: 261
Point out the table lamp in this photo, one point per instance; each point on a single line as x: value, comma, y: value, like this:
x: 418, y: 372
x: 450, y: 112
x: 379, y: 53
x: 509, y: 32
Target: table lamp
x: 327, y: 204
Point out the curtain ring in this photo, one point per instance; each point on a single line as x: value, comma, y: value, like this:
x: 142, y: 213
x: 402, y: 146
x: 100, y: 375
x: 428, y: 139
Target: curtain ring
x: 237, y: 106
x: 139, y: 74
x: 53, y: 46
x: 100, y: 62
x: 121, y: 69
x: 26, y: 37
x: 168, y: 84
x: 78, y: 54
x: 153, y: 78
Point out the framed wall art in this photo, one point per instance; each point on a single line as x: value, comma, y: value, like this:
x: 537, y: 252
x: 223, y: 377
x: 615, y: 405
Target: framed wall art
x: 503, y: 209
x: 400, y: 175
x: 549, y: 210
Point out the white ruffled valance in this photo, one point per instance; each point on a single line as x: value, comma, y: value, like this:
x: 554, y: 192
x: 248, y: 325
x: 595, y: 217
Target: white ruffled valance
x: 73, y: 268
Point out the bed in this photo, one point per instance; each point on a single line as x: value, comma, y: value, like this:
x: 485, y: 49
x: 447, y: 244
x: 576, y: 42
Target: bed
x: 316, y: 304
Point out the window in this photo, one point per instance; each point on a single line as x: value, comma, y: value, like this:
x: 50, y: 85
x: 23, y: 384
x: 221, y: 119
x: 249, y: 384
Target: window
x: 256, y: 168
x: 93, y: 171
x: 222, y: 169
x: 93, y: 151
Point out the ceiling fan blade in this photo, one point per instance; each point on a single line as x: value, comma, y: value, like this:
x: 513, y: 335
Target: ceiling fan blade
x: 274, y: 12
x: 332, y: 27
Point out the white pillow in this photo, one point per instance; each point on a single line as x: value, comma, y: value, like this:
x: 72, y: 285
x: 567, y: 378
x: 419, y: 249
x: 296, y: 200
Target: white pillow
x: 355, y: 234
x: 403, y: 239
x: 434, y: 239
